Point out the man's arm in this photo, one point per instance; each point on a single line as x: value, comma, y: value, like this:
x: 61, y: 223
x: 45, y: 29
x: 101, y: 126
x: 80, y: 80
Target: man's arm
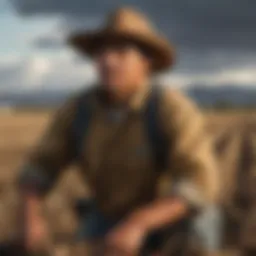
x: 51, y: 155
x: 192, y: 167
x: 159, y: 213
x: 191, y: 159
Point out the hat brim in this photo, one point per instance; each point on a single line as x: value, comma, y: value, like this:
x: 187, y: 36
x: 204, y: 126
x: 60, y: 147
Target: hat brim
x: 161, y: 52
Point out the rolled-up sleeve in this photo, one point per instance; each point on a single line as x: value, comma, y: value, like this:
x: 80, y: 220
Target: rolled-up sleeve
x: 52, y: 154
x: 191, y: 157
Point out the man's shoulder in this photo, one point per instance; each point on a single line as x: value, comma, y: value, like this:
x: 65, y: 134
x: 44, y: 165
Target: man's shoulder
x: 176, y: 100
x: 70, y: 106
x: 179, y: 114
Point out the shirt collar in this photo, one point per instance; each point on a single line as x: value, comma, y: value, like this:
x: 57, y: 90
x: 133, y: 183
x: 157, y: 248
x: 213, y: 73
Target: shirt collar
x: 136, y: 103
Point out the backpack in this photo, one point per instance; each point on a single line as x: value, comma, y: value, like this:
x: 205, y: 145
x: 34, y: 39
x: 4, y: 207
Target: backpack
x: 153, y: 128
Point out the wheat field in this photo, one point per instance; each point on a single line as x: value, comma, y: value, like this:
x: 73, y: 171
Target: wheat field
x: 233, y: 132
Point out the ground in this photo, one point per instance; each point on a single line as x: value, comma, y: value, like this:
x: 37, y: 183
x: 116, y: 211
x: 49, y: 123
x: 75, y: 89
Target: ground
x: 234, y: 132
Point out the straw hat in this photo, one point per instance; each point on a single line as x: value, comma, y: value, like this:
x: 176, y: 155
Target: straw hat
x: 130, y: 25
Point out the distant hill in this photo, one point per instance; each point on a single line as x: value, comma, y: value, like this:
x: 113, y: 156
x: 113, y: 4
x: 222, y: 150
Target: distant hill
x: 229, y: 95
x: 36, y: 98
x: 204, y: 96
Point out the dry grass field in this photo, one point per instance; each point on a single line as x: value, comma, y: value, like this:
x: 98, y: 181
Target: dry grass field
x: 234, y: 133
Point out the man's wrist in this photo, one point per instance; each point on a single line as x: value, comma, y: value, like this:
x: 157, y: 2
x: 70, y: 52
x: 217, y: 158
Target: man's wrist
x: 140, y: 219
x: 160, y: 213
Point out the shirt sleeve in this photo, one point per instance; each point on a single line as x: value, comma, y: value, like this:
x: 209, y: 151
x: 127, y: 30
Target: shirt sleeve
x: 52, y: 154
x: 191, y: 158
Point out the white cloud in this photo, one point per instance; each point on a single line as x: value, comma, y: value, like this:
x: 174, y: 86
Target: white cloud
x: 43, y: 72
x: 243, y: 76
x: 246, y: 76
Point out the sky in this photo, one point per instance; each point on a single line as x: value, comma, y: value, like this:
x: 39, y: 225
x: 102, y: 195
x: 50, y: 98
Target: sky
x: 215, y: 41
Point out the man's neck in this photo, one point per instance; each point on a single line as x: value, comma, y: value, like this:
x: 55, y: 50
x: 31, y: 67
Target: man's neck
x: 121, y: 98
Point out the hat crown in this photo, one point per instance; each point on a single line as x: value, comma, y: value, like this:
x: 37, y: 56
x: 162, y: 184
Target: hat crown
x: 128, y: 24
x: 128, y: 19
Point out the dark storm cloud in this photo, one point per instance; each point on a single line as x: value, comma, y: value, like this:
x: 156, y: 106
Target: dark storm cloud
x: 215, y: 39
x: 219, y: 24
x: 216, y: 60
x: 56, y: 38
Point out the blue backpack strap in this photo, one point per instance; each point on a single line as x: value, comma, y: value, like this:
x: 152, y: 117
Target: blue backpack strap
x: 156, y: 136
x: 80, y: 126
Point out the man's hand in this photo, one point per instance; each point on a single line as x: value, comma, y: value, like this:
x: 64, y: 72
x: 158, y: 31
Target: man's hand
x: 34, y: 225
x: 35, y: 234
x: 126, y: 239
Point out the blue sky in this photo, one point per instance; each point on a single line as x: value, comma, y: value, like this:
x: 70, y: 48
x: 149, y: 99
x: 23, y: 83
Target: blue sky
x: 216, y: 41
x: 18, y: 32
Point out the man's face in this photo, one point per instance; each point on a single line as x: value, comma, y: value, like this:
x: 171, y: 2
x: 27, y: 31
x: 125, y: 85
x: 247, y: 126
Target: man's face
x: 121, y: 66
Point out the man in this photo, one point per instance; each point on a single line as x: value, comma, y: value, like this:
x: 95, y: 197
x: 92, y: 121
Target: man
x: 130, y: 200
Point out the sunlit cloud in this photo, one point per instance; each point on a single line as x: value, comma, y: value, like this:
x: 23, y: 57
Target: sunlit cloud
x: 230, y: 77
x: 44, y: 72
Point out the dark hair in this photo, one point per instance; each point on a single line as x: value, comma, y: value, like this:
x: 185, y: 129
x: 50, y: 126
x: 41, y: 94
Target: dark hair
x: 98, y: 45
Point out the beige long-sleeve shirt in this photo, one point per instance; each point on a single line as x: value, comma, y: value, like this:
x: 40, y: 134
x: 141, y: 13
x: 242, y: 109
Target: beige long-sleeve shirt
x: 117, y: 158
